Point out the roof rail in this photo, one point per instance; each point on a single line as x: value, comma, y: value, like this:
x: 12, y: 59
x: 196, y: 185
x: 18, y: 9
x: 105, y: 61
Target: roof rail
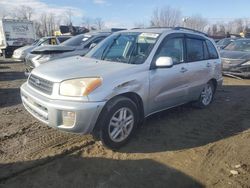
x: 157, y: 27
x: 188, y: 29
x: 177, y: 28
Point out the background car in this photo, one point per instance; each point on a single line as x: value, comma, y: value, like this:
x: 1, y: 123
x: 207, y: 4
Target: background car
x: 224, y: 42
x: 236, y: 58
x: 22, y: 52
x: 77, y: 45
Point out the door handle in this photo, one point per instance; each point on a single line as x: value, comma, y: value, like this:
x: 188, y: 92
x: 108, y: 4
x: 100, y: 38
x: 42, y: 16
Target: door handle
x: 183, y: 70
x: 208, y: 65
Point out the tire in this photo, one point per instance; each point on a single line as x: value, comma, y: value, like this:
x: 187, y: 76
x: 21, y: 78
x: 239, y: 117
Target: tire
x: 206, y: 96
x: 3, y: 53
x: 118, y: 122
x: 6, y: 55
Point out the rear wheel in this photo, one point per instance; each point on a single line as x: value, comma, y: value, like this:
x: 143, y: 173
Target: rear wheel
x: 118, y: 122
x: 206, y: 96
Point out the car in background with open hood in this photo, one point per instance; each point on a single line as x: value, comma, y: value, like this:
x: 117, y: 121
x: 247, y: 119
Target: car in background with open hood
x: 236, y: 58
x: 77, y: 45
x: 22, y: 52
x: 224, y: 42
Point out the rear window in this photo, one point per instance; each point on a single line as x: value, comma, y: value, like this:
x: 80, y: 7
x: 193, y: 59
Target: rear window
x: 212, y: 51
x: 194, y: 50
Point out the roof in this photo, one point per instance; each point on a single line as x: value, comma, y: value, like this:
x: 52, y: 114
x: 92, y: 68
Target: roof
x: 161, y: 30
x: 148, y: 30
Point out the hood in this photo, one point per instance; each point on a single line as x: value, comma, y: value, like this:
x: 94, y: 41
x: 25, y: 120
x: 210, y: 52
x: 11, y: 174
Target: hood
x: 235, y: 54
x: 50, y: 49
x: 77, y: 67
x: 24, y: 48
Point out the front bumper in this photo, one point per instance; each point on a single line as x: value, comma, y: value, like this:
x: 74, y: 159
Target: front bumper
x: 235, y: 67
x: 242, y: 71
x: 18, y: 57
x: 241, y: 74
x: 50, y: 111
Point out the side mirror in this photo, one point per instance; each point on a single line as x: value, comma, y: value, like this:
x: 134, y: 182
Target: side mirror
x: 164, y: 62
x: 92, y: 45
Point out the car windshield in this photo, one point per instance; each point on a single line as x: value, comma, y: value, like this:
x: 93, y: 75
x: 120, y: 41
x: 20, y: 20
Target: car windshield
x: 76, y: 40
x: 225, y: 41
x: 239, y: 45
x: 36, y: 42
x: 41, y: 40
x: 127, y: 47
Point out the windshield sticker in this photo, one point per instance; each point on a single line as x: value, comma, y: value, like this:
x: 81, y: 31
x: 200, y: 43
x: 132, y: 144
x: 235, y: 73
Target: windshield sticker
x: 149, y: 35
x: 84, y: 39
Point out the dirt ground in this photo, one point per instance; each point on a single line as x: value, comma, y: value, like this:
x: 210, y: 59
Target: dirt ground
x: 182, y: 147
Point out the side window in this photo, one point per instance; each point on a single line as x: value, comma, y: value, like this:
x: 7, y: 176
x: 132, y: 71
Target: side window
x: 212, y: 51
x: 195, y: 50
x: 206, y: 54
x: 172, y: 48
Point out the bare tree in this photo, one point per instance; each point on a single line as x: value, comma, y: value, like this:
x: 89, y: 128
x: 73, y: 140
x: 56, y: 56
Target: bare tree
x: 140, y: 25
x: 99, y: 23
x: 46, y: 25
x: 3, y: 13
x: 23, y: 12
x: 44, y: 28
x: 196, y: 22
x: 237, y: 26
x: 68, y: 17
x: 87, y: 22
x: 38, y: 29
x: 166, y: 17
x: 214, y: 29
x: 51, y: 23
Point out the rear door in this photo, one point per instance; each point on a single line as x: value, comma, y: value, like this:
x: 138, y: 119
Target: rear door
x: 168, y: 86
x: 198, y: 65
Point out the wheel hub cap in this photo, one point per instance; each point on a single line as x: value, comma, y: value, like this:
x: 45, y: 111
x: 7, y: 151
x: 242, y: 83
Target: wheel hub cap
x: 207, y: 95
x: 121, y: 124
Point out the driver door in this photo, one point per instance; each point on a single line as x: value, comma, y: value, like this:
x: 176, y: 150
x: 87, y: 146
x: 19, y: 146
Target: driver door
x: 169, y: 86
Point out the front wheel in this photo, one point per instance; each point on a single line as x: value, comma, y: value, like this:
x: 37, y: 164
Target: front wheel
x: 206, y: 96
x: 118, y: 122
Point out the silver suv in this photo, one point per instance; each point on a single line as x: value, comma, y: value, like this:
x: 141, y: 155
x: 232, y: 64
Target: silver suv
x: 125, y: 78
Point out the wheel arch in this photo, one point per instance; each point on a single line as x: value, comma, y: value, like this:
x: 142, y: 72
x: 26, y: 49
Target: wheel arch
x: 214, y: 81
x: 132, y: 96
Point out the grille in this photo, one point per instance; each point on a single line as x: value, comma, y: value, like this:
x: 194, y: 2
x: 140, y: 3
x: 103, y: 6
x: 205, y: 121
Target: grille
x: 41, y: 84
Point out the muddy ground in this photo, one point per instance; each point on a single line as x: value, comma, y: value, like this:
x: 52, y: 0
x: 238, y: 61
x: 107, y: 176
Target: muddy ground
x: 182, y: 147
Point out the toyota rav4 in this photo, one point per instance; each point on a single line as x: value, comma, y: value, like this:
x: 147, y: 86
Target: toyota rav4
x: 125, y: 78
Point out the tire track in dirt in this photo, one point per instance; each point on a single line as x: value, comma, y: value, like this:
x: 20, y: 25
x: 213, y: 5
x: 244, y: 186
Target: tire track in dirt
x: 35, y: 164
x: 22, y: 138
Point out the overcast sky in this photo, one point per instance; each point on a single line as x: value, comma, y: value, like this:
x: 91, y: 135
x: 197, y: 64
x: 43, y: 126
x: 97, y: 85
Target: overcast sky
x: 125, y: 13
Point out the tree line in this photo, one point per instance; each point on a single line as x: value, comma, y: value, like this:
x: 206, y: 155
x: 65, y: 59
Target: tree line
x: 46, y: 23
x: 171, y: 17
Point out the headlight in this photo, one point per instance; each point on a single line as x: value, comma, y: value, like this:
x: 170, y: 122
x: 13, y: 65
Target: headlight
x: 246, y: 63
x: 44, y: 58
x: 79, y: 87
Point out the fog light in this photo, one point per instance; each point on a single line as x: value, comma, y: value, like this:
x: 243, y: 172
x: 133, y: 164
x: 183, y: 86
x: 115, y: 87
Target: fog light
x: 68, y: 118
